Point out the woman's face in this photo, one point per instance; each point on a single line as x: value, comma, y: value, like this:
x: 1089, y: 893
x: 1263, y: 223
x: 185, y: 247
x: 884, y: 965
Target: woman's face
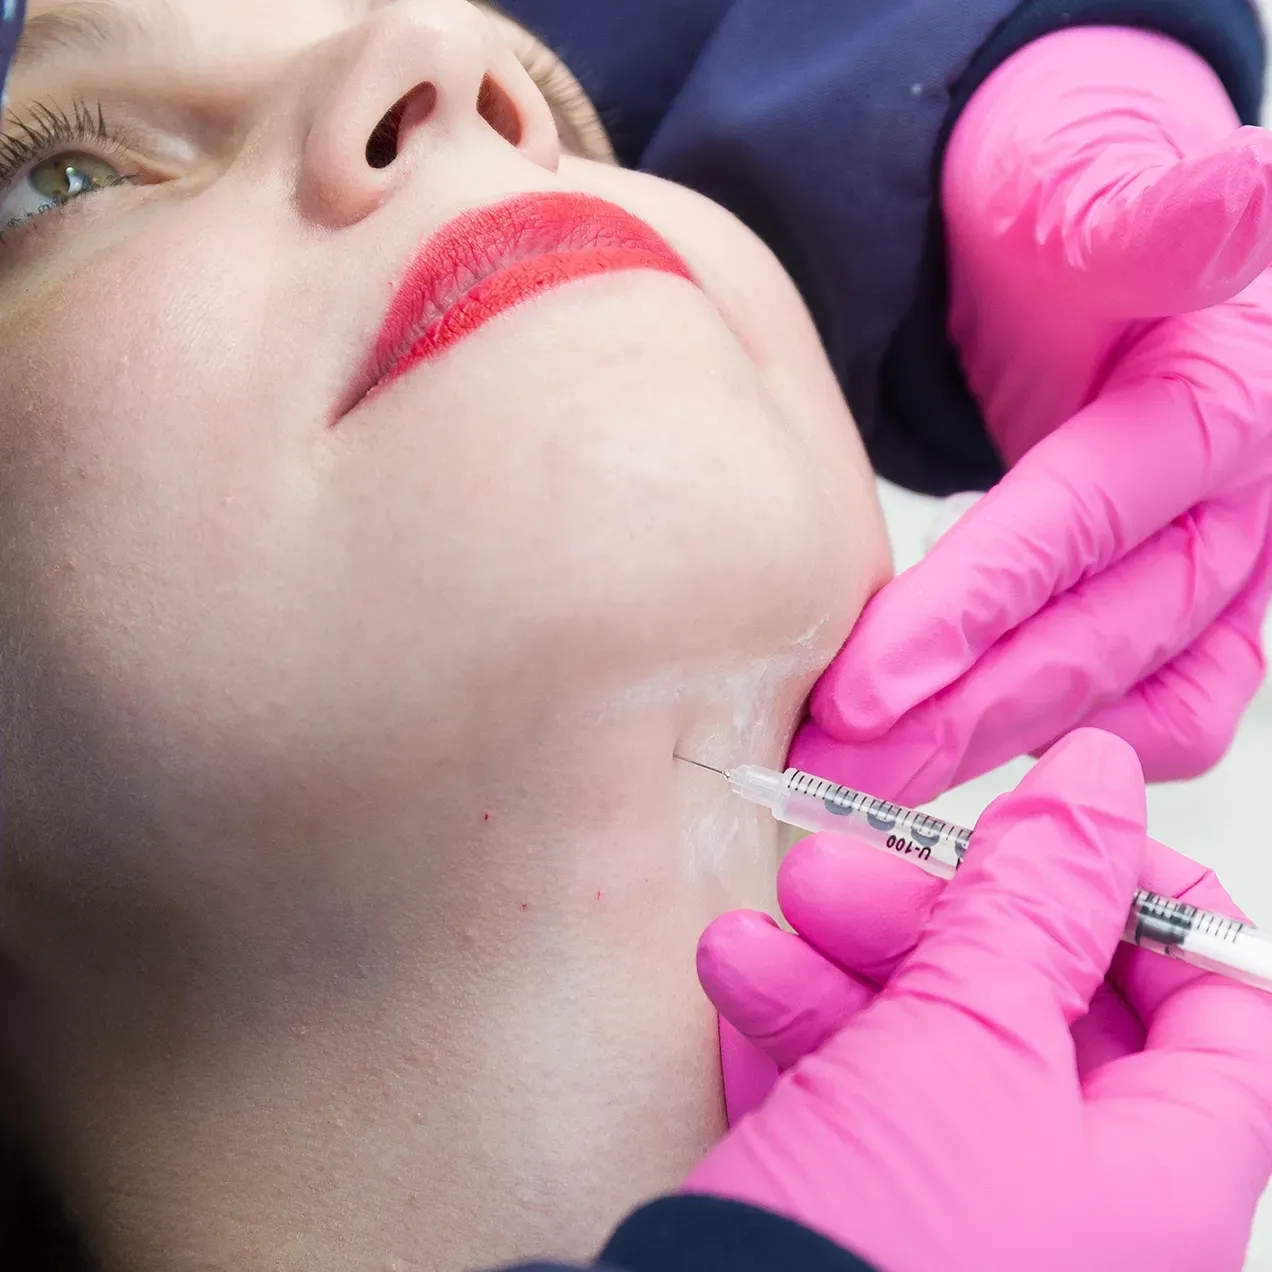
x: 224, y: 565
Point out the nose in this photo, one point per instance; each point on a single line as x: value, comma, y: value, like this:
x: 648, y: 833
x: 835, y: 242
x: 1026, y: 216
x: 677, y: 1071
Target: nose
x: 414, y: 76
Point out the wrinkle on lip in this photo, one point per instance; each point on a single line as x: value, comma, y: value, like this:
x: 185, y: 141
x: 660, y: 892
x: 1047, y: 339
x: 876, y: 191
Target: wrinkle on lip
x: 489, y: 259
x: 505, y: 288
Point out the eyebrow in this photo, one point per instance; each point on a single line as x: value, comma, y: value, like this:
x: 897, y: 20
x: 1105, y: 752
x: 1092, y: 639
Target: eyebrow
x: 84, y: 26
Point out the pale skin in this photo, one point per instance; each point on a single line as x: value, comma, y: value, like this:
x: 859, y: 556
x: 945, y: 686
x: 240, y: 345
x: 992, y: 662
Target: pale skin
x: 350, y: 888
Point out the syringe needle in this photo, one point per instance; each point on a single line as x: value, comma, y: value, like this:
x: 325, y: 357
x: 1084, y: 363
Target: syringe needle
x: 697, y: 764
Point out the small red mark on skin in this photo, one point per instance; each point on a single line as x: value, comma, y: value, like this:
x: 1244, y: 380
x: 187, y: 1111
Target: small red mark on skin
x: 525, y: 905
x: 485, y: 816
x: 599, y: 895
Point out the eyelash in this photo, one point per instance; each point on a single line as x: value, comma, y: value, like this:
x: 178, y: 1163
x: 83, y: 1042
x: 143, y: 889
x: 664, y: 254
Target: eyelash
x: 48, y: 129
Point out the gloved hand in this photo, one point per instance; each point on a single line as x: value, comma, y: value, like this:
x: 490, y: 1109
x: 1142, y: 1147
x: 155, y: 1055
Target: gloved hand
x: 858, y: 912
x: 1109, y: 226
x: 950, y: 1125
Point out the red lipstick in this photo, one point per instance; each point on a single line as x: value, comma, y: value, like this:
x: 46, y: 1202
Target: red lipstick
x: 490, y: 259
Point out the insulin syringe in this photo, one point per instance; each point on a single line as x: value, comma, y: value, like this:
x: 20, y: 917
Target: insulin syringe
x: 1158, y: 923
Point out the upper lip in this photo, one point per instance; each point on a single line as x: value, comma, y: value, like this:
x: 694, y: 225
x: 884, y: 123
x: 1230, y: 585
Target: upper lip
x: 486, y: 241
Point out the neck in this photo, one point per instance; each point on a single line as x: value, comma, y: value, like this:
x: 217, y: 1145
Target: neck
x: 471, y: 1034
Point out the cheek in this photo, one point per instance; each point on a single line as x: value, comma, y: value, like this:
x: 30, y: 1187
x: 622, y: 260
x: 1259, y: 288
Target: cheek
x: 134, y: 348
x: 717, y: 248
x: 770, y: 323
x: 121, y: 387
x: 115, y: 385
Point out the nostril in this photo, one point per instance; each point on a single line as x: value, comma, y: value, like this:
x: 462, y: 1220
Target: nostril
x: 499, y: 111
x: 493, y: 104
x: 385, y: 139
x: 383, y: 143
x: 382, y: 146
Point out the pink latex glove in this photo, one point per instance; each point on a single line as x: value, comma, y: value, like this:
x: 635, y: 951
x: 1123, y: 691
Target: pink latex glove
x: 858, y: 912
x: 949, y: 1125
x: 1108, y: 227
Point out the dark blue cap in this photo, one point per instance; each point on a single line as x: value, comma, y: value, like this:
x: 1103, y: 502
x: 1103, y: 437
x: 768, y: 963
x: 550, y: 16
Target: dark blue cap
x: 12, y: 13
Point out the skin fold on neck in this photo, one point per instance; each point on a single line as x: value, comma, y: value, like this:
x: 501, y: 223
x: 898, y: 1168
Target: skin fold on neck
x: 480, y: 1036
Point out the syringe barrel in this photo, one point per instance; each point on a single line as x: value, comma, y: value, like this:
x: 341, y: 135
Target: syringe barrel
x: 1211, y: 942
x: 1162, y: 924
x: 1167, y: 925
x: 813, y: 803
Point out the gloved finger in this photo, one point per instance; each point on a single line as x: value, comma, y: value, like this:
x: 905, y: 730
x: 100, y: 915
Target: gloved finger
x: 887, y: 768
x: 1088, y: 649
x: 1149, y: 981
x: 1022, y: 936
x: 854, y: 904
x: 827, y: 886
x: 1185, y: 236
x: 749, y: 1075
x: 776, y: 990
x: 1148, y: 196
x: 1182, y: 719
x: 1056, y: 519
x: 865, y: 911
x: 1208, y: 1045
x: 1109, y: 1031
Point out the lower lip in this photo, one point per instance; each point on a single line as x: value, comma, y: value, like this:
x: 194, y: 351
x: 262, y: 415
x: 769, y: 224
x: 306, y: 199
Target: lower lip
x: 615, y: 239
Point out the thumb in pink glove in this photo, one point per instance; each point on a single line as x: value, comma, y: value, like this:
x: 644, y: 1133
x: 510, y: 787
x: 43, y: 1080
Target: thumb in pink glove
x: 950, y: 1125
x: 857, y: 914
x: 1109, y: 230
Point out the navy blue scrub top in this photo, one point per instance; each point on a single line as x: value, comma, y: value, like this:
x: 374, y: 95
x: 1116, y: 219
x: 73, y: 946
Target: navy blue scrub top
x: 822, y: 124
x: 711, y: 1234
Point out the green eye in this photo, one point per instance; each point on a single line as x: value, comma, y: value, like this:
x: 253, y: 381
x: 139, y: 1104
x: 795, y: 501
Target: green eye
x: 63, y: 177
x: 52, y: 183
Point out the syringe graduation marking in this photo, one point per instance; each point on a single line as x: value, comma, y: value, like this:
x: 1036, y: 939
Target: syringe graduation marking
x: 842, y: 801
x: 1169, y: 921
x: 1158, y: 920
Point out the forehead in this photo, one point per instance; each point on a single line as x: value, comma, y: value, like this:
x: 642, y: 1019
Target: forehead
x: 60, y: 29
x: 98, y: 32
